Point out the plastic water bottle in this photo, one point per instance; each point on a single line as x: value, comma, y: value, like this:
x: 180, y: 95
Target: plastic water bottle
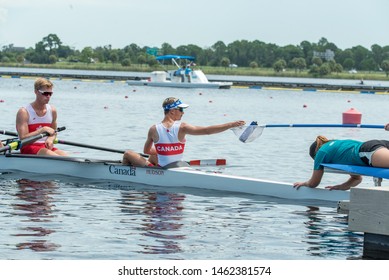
x: 248, y: 131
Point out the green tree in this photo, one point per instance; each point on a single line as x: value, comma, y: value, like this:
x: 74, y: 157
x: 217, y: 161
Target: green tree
x: 126, y: 62
x: 167, y: 49
x: 19, y: 58
x: 325, y: 69
x: 141, y: 59
x: 219, y: 51
x: 289, y: 52
x: 53, y: 59
x: 359, y: 53
x: 279, y: 65
x: 253, y: 64
x: 317, y: 61
x: 51, y: 43
x: 349, y: 63
x: 114, y: 57
x: 225, y: 61
x: 385, y: 67
x: 298, y: 63
x: 314, y: 70
x: 338, y: 68
x: 87, y: 55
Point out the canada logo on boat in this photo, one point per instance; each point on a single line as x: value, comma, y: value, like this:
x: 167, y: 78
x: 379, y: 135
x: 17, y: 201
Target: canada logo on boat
x: 128, y: 171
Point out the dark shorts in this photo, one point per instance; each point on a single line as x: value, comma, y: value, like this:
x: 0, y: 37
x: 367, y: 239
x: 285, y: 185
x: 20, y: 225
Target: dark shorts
x: 369, y: 147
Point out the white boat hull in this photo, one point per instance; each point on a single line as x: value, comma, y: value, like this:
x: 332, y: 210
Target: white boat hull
x: 168, y: 79
x: 158, y: 177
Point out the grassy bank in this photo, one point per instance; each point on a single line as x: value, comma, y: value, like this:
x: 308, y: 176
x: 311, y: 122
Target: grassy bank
x: 239, y: 71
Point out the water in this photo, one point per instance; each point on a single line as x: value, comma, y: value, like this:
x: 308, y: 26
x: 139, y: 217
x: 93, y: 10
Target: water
x: 66, y: 218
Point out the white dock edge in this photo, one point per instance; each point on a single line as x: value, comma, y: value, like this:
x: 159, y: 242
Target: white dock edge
x: 369, y: 213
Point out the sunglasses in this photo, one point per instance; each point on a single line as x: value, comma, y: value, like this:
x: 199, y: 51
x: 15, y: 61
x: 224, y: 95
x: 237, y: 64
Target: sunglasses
x: 179, y: 109
x: 45, y: 93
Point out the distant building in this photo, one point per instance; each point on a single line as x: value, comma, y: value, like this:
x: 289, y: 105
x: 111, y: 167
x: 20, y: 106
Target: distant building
x: 327, y: 55
x: 12, y: 48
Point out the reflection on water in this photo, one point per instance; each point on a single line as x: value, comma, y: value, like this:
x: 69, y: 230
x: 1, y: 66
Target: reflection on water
x: 160, y: 217
x: 35, y: 203
x: 327, y: 235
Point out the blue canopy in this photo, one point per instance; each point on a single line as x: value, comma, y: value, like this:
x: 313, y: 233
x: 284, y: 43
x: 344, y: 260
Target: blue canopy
x: 172, y: 56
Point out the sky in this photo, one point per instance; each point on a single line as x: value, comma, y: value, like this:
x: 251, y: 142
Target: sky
x: 94, y: 23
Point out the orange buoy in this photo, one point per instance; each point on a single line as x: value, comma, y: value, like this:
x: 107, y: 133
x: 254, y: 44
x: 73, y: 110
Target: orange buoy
x: 352, y: 116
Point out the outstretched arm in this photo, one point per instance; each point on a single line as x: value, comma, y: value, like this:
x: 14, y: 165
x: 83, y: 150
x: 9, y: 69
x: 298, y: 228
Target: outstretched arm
x: 205, y: 130
x: 353, y: 181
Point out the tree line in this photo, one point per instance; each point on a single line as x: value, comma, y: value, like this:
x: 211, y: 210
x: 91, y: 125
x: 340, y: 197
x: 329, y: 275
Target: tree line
x: 319, y: 58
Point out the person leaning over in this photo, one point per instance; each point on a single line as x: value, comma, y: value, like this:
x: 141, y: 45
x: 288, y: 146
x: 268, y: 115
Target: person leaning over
x: 39, y: 117
x: 166, y: 140
x: 373, y: 153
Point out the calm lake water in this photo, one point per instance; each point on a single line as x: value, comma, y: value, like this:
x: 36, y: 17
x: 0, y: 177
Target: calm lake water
x: 66, y: 218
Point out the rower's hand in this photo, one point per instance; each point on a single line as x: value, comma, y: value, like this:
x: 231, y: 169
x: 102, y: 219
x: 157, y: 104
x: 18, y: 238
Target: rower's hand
x: 48, y: 129
x: 387, y: 126
x: 297, y: 185
x: 237, y: 124
x: 49, y: 144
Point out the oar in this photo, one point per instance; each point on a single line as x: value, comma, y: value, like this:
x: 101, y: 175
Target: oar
x: 207, y: 162
x: 203, y: 162
x: 16, y: 145
x: 5, y: 132
x: 325, y: 125
x: 253, y: 131
x: 58, y: 141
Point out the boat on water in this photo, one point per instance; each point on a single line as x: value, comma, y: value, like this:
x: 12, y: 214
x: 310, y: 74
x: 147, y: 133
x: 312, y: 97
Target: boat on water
x: 181, y: 77
x: 178, y: 175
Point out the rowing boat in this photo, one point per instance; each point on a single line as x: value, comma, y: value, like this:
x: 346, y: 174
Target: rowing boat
x: 180, y: 175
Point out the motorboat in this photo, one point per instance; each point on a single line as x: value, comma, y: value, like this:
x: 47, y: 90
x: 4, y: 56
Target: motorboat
x: 183, y: 76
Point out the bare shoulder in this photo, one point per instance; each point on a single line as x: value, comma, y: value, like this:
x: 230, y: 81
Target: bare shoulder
x: 184, y: 126
x: 22, y: 112
x: 152, y: 130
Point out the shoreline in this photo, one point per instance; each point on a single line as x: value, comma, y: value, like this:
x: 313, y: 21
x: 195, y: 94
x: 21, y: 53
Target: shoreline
x: 244, y: 82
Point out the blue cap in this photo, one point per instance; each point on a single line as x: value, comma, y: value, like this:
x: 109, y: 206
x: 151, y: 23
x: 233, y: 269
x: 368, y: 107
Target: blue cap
x: 177, y: 104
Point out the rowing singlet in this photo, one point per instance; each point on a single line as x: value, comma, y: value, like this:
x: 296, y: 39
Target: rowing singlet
x: 35, y: 122
x: 169, y: 148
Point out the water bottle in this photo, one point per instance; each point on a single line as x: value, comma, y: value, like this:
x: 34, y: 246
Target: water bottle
x: 248, y: 131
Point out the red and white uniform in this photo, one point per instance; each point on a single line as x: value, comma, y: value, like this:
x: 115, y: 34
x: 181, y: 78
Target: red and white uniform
x: 169, y: 148
x: 35, y: 122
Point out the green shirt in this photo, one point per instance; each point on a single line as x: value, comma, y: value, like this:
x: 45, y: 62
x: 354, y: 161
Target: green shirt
x: 340, y: 152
